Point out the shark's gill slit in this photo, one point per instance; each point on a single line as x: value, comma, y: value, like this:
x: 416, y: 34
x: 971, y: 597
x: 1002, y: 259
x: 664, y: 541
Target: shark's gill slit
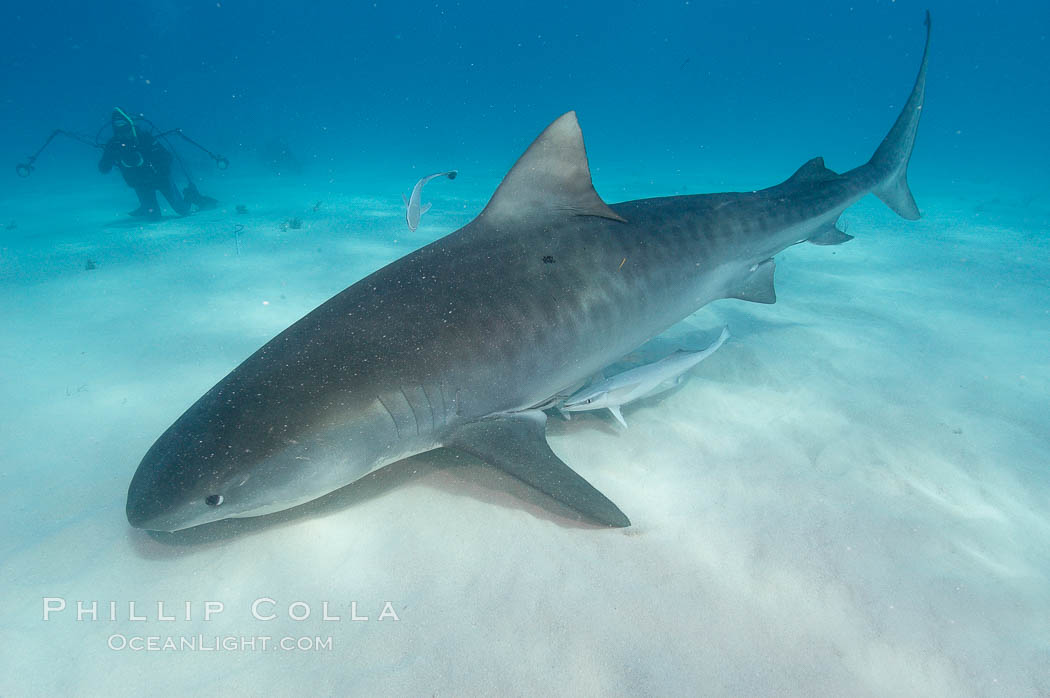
x: 390, y: 414
x: 430, y: 406
x: 411, y: 408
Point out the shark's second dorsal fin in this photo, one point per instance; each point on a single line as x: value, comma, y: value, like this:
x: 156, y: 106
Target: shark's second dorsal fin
x: 552, y: 177
x: 812, y: 171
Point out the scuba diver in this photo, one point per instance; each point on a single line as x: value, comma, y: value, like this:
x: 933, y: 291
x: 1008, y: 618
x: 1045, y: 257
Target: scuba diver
x: 136, y: 148
x: 146, y: 167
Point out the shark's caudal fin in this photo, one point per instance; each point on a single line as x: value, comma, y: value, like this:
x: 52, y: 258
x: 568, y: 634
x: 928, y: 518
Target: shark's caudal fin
x: 552, y: 177
x: 890, y: 161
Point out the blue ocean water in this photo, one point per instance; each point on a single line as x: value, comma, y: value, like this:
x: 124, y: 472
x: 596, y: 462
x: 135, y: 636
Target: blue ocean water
x: 699, y: 87
x: 850, y: 498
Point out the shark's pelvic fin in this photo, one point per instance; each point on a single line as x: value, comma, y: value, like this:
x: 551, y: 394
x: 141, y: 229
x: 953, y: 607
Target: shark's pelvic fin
x: 552, y: 177
x: 890, y: 161
x: 517, y: 444
x: 757, y: 287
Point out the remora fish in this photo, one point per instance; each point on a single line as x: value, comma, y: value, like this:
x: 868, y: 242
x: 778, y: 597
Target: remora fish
x: 463, y: 343
x: 414, y: 209
x: 637, y: 383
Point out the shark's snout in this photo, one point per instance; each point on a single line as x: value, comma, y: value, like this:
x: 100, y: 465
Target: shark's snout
x: 150, y: 511
x: 167, y: 493
x: 145, y: 507
x: 137, y: 517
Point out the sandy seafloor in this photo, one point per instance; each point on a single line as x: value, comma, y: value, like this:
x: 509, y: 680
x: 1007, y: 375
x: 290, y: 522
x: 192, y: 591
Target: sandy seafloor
x: 851, y: 497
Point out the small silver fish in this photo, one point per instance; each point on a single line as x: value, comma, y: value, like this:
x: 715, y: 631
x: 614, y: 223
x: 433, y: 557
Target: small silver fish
x: 651, y: 379
x: 414, y: 208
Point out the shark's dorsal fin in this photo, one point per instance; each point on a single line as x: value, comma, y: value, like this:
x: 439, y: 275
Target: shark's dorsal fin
x: 516, y: 443
x: 812, y: 171
x: 552, y: 177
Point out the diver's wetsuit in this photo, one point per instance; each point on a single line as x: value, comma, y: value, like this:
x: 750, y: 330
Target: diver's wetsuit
x: 146, y: 167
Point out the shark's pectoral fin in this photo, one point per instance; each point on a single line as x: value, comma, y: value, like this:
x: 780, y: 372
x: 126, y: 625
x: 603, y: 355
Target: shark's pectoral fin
x: 830, y: 235
x: 757, y: 286
x: 405, y: 199
x: 426, y: 207
x: 517, y: 444
x: 552, y: 178
x: 615, y: 410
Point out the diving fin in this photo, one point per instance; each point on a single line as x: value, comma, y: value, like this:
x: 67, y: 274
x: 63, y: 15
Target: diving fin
x: 516, y: 443
x: 193, y: 196
x: 206, y: 203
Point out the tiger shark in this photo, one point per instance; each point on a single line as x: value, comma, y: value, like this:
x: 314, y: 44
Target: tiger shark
x: 462, y: 344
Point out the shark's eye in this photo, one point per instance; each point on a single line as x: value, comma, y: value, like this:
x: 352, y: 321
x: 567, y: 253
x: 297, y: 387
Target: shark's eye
x: 213, y: 500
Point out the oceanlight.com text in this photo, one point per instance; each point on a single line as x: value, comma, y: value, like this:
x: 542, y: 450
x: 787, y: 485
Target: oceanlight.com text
x: 217, y: 643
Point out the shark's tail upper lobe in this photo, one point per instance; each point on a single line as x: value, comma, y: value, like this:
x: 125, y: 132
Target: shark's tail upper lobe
x: 889, y: 165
